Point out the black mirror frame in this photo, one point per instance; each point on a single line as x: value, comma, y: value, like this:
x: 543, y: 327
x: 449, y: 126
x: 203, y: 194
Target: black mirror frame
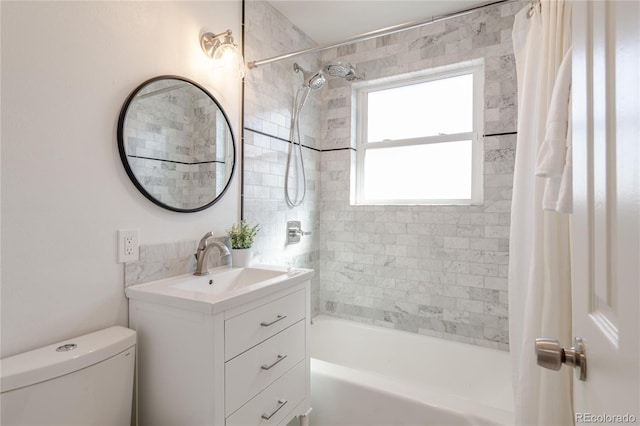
x: 123, y: 154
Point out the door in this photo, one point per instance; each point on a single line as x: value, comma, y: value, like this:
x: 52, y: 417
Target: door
x: 606, y: 226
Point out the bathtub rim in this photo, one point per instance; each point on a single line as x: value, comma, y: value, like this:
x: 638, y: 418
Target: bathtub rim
x: 472, y: 410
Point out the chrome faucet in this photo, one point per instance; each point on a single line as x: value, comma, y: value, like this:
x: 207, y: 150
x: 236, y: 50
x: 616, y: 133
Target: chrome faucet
x: 205, y: 244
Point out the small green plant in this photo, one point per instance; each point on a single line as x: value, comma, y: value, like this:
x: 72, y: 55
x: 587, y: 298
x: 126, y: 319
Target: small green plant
x: 242, y: 235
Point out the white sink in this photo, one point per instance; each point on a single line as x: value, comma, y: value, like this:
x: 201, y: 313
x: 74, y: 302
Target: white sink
x: 222, y: 289
x: 227, y: 280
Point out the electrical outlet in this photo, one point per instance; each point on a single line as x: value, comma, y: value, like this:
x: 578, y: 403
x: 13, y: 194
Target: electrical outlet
x: 128, y: 242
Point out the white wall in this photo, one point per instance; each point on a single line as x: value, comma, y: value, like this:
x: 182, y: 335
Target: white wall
x: 67, y: 67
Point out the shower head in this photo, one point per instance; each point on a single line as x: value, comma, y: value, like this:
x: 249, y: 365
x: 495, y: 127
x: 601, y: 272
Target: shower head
x: 341, y: 69
x: 311, y: 80
x: 316, y: 81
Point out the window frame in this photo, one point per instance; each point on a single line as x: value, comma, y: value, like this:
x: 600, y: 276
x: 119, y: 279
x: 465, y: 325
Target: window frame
x: 360, y: 92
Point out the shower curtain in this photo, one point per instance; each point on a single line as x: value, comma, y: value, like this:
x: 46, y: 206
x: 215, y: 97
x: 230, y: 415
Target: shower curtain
x: 539, y: 256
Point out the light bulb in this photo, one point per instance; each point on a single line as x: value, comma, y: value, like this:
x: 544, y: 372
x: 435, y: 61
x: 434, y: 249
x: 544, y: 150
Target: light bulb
x: 228, y: 56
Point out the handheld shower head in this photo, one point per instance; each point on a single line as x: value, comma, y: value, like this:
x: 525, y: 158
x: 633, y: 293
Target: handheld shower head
x: 317, y: 81
x: 311, y: 80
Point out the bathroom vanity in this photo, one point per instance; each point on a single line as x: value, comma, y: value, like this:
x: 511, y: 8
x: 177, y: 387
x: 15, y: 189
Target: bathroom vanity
x: 229, y: 348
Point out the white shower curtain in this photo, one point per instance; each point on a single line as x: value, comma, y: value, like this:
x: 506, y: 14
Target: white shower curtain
x: 539, y: 255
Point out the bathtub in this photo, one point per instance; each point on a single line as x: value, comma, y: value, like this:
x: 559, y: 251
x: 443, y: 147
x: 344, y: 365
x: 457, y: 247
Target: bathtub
x: 364, y: 375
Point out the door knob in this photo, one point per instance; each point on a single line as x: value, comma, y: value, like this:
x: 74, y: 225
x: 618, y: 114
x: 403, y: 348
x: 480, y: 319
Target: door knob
x: 551, y: 355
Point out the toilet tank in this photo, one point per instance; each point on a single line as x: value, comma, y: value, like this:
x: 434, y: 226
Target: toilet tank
x: 87, y: 380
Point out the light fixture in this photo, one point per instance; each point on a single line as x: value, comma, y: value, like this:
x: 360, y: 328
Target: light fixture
x: 224, y: 52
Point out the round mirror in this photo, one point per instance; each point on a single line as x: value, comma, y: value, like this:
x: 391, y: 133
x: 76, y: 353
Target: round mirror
x: 176, y: 144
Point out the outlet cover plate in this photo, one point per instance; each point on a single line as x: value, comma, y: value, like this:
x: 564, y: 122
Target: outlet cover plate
x: 128, y: 245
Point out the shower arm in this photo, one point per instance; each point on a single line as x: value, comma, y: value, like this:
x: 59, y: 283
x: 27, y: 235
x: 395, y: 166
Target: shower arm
x: 373, y: 34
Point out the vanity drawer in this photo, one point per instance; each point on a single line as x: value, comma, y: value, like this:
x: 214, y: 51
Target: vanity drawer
x: 250, y: 328
x: 248, y: 374
x: 275, y: 402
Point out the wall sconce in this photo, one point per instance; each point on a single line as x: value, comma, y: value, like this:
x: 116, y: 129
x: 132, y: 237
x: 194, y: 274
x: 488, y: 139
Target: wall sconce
x: 224, y: 52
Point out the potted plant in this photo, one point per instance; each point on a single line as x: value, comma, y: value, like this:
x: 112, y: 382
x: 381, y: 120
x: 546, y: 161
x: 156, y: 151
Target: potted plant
x: 242, y: 236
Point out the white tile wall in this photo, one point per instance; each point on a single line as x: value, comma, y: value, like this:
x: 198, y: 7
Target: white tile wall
x: 269, y: 93
x: 436, y: 270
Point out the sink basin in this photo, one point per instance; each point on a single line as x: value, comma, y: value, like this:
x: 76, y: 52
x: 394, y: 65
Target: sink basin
x: 231, y: 279
x: 223, y: 288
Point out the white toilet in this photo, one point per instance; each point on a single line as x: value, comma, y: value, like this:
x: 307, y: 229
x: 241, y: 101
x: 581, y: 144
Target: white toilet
x: 84, y: 381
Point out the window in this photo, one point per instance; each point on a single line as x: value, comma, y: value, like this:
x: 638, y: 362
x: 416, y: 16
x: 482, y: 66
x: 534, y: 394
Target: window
x: 419, y: 138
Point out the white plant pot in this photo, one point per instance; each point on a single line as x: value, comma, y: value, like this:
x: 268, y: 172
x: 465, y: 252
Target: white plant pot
x: 241, y: 258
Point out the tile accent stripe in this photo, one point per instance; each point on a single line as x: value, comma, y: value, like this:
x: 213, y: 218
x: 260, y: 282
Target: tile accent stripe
x: 342, y: 149
x: 500, y: 134
x: 288, y: 141
x: 175, y: 162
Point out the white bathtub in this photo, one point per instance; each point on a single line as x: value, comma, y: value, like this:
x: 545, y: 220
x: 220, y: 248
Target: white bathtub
x: 367, y: 375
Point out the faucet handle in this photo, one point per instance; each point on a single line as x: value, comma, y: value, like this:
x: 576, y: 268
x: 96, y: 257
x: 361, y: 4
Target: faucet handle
x: 294, y: 232
x: 203, y: 241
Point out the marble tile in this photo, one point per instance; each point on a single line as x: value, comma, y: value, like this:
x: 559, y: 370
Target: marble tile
x: 269, y: 95
x: 434, y: 270
x: 158, y: 261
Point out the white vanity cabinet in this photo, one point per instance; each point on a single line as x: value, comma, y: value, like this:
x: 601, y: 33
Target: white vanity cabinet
x: 237, y: 364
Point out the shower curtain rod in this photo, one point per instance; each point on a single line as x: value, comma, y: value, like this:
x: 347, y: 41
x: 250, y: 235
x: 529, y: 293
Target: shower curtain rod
x: 374, y: 34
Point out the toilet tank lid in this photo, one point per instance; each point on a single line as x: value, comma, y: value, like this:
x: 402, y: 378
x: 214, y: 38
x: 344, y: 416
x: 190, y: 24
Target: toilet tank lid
x: 49, y: 362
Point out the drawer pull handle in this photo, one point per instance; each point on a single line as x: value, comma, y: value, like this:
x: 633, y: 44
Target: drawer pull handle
x: 279, y: 318
x: 268, y: 416
x: 269, y: 367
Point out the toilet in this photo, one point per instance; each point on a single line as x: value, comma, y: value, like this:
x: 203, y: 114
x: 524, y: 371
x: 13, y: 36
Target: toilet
x: 87, y: 380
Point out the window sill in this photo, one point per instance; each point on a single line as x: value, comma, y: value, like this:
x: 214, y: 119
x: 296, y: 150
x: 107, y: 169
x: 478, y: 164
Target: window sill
x: 442, y: 203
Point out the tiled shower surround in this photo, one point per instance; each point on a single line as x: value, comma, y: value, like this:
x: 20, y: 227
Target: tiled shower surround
x: 436, y: 270
x: 269, y: 93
